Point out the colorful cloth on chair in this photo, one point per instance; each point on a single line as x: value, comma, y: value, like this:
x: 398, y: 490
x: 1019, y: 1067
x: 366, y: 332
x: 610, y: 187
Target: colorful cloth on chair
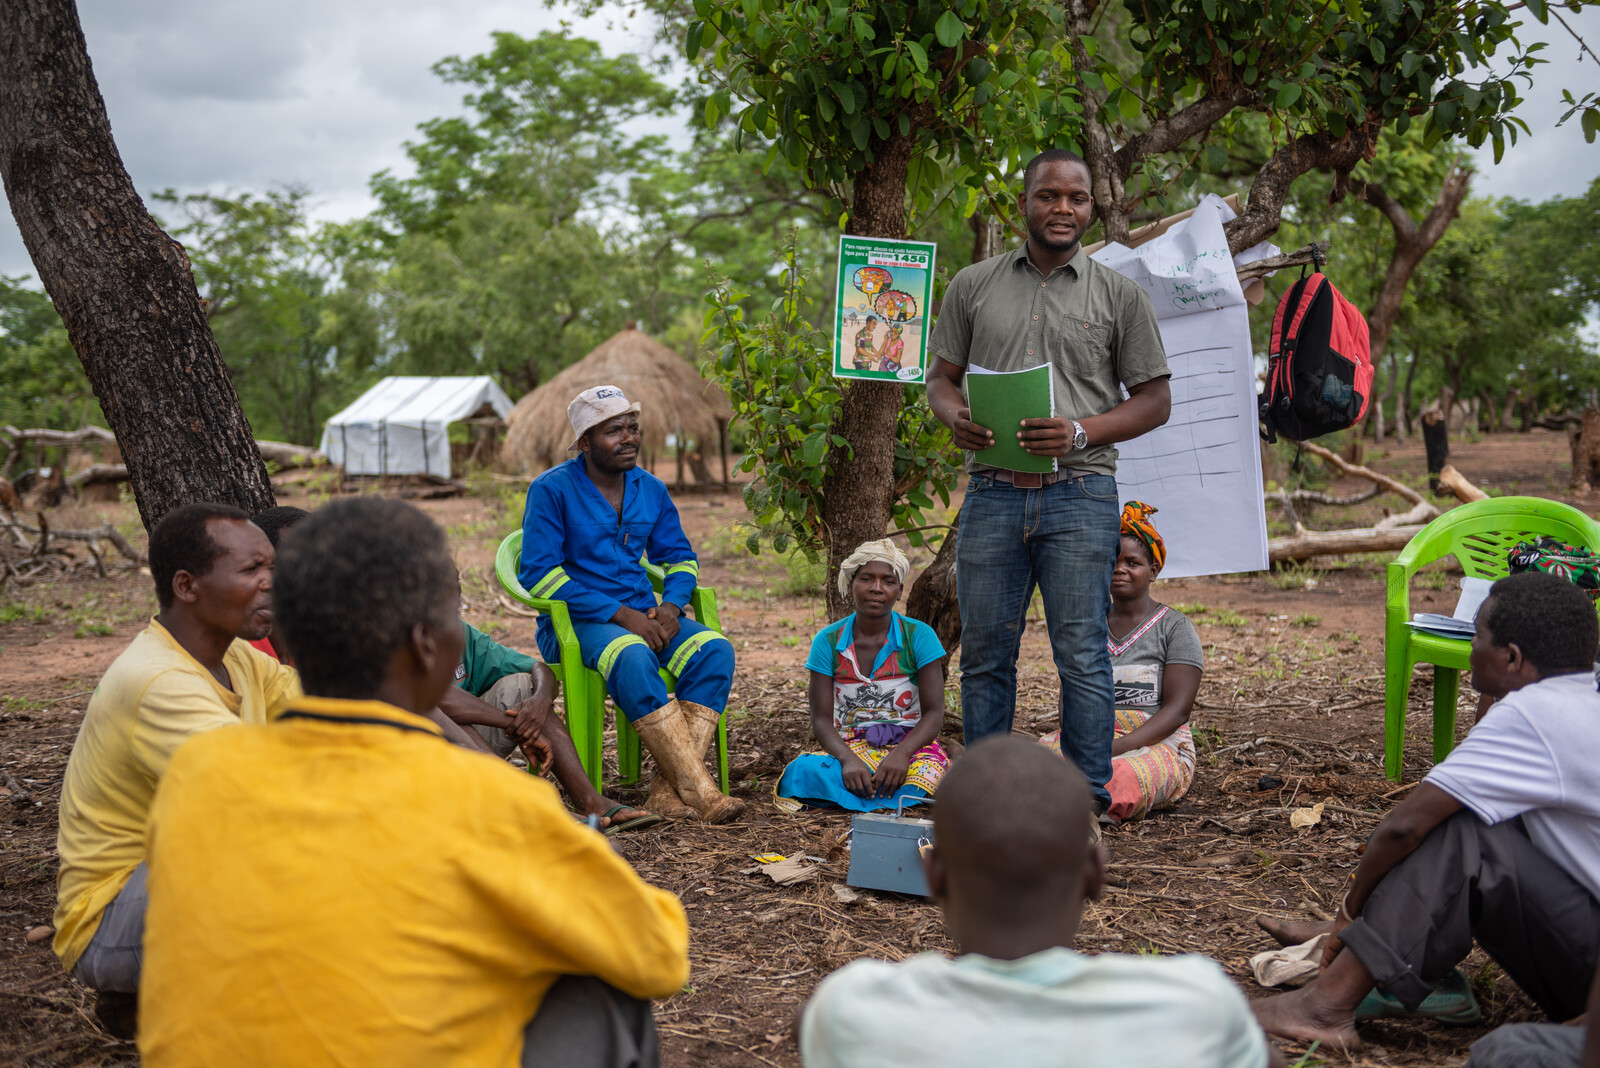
x: 816, y: 779
x: 1146, y: 779
x: 1574, y: 563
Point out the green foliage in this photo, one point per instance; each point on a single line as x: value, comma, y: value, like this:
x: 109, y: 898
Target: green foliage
x: 44, y: 384
x: 778, y: 373
x: 261, y: 267
x: 506, y: 254
x: 1333, y: 68
x: 828, y: 85
x: 546, y: 132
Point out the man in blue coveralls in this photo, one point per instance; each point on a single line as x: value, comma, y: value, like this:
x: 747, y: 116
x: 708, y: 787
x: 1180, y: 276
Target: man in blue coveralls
x: 587, y: 524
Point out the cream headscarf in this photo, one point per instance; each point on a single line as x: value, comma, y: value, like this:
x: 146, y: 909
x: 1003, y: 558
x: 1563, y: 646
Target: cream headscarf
x: 882, y: 551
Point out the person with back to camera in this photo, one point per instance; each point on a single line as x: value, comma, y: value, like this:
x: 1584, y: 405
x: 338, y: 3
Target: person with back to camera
x: 340, y: 886
x: 1011, y: 869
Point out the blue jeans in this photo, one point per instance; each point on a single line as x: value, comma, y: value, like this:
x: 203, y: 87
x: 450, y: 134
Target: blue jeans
x: 1062, y: 540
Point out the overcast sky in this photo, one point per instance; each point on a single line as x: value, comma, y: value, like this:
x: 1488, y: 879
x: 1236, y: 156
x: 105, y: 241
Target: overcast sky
x: 221, y: 95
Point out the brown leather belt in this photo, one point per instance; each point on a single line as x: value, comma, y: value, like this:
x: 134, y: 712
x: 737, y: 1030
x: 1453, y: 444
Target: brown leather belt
x: 1029, y: 479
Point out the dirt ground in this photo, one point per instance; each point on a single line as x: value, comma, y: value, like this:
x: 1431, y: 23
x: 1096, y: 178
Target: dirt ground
x: 1289, y: 715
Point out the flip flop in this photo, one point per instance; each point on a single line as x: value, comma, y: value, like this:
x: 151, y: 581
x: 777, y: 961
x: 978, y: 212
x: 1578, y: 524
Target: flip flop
x: 1451, y: 1002
x: 627, y: 825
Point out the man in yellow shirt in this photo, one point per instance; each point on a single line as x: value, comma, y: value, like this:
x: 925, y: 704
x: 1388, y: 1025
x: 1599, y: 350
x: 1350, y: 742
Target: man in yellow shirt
x: 341, y: 886
x: 187, y: 672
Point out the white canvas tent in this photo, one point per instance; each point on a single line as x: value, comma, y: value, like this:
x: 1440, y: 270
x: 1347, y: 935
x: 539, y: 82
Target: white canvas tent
x: 401, y: 426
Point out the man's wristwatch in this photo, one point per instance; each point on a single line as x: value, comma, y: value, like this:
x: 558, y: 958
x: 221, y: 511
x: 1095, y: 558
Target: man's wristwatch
x: 1080, y: 436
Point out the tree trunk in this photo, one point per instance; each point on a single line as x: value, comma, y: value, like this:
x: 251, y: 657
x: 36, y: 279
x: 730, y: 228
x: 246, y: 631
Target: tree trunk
x: 1411, y: 243
x: 123, y: 288
x: 1405, y: 394
x: 858, y: 490
x: 933, y: 597
x: 1436, y: 442
x: 1585, y: 441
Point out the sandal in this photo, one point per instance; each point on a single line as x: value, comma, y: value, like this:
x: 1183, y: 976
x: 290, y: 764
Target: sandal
x: 634, y: 824
x: 1450, y: 1002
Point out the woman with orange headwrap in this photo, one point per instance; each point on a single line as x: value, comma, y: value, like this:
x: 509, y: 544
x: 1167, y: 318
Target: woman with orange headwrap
x: 1156, y: 661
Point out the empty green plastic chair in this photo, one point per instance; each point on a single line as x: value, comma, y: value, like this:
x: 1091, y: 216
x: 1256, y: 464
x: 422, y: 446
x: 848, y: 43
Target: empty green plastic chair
x: 1479, y: 535
x: 585, y: 689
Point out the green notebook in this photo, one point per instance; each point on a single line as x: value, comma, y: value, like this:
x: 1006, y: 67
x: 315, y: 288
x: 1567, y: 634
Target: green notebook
x: 1001, y: 400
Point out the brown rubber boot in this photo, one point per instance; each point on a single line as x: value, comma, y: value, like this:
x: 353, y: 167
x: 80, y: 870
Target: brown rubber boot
x: 671, y: 735
x: 664, y: 800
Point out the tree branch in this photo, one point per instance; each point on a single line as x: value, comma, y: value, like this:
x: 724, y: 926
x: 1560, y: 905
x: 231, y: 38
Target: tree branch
x: 1187, y: 123
x: 1271, y: 186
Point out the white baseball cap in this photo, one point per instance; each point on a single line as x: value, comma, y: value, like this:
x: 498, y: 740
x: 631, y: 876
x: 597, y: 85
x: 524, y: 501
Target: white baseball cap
x: 594, y: 406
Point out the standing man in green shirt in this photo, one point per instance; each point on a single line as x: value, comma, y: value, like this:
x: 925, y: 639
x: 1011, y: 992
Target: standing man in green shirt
x: 505, y: 698
x: 1047, y: 303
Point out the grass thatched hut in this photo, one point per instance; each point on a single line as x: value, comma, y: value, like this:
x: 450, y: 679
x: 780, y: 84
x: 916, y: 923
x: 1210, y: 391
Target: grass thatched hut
x: 674, y: 399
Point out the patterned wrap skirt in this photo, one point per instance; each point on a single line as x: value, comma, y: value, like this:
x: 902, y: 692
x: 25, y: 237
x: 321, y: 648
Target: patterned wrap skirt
x: 1146, y: 779
x: 817, y: 780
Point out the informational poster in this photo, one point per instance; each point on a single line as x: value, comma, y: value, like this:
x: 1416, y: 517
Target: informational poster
x: 1202, y: 470
x: 880, y: 326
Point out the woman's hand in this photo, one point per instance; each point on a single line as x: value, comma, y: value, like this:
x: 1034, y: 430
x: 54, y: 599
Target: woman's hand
x: 857, y: 776
x: 891, y: 773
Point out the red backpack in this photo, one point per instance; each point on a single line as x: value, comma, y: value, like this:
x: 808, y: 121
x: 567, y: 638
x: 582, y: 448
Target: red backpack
x: 1319, y: 367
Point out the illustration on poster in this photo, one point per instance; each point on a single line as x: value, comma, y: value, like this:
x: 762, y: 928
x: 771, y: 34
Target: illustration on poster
x: 872, y: 279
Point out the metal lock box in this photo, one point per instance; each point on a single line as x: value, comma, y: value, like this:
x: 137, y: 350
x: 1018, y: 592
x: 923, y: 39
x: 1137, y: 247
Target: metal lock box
x: 884, y: 853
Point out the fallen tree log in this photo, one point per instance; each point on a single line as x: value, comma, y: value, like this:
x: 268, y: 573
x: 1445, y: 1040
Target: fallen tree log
x: 281, y: 453
x: 46, y: 533
x: 1419, y: 514
x: 1458, y: 484
x: 1399, y: 489
x: 95, y: 474
x: 286, y: 455
x: 1311, y: 543
x: 55, y: 439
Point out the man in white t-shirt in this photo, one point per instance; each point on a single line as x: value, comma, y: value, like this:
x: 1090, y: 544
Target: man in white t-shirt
x: 1500, y: 843
x: 1011, y: 867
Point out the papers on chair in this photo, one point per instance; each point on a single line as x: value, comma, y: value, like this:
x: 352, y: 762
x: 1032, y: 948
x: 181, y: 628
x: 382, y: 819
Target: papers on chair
x: 1474, y: 591
x: 1448, y: 626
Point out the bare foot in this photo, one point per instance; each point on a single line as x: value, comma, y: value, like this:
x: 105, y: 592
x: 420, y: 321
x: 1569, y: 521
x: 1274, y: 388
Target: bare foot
x: 1299, y: 1015
x: 601, y: 805
x: 1294, y: 932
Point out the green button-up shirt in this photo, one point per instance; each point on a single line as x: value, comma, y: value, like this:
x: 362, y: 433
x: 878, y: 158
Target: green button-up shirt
x: 1096, y: 329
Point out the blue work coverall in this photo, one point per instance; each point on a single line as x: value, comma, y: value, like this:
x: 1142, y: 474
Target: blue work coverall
x: 577, y: 549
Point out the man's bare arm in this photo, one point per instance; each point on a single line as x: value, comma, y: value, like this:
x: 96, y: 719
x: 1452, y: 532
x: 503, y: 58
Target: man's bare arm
x: 1147, y: 407
x: 1396, y: 838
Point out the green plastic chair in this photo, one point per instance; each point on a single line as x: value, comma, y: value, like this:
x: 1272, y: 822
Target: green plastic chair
x: 1479, y: 535
x: 585, y: 689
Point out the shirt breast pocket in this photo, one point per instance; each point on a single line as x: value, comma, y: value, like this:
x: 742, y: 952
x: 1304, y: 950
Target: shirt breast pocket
x: 1082, y: 345
x: 633, y: 538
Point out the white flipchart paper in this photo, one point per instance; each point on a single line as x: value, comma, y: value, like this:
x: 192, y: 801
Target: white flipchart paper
x: 1202, y: 470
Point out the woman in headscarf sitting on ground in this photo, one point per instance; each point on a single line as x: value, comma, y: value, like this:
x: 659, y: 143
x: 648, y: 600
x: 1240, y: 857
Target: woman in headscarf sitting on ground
x: 877, y: 698
x: 1156, y: 660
